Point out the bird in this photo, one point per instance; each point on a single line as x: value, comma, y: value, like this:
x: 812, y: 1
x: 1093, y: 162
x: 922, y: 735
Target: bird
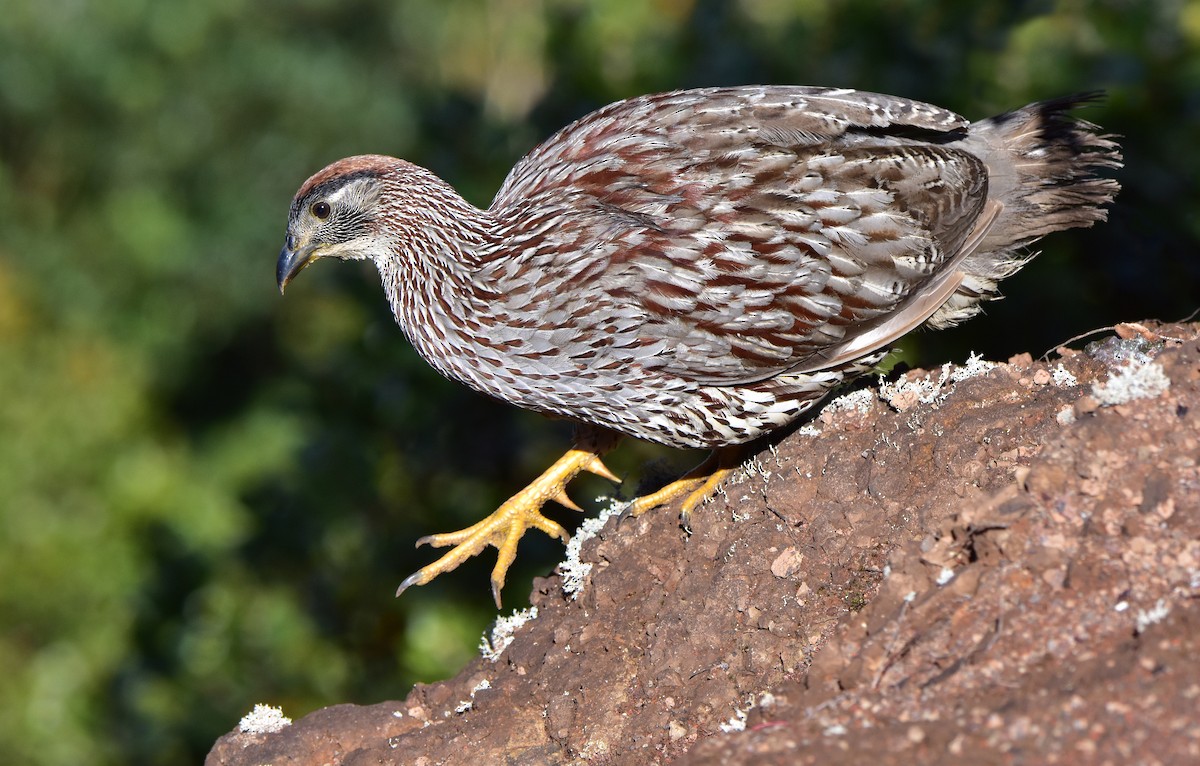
x: 699, y: 268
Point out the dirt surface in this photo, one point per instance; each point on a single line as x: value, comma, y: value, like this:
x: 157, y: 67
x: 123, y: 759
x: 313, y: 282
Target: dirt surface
x: 965, y: 565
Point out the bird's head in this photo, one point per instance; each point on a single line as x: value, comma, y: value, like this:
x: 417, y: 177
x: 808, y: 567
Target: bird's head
x: 336, y: 213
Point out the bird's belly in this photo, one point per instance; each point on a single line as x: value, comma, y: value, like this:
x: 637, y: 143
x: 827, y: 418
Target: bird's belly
x: 649, y: 405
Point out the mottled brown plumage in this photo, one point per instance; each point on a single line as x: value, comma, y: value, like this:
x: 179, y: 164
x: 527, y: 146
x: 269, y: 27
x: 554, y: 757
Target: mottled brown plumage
x: 700, y: 267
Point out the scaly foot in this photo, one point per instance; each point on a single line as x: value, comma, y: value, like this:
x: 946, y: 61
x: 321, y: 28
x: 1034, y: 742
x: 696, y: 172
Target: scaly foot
x: 504, y: 528
x: 698, y: 484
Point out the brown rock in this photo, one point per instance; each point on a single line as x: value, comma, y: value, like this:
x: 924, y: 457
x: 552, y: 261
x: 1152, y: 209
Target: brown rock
x: 918, y: 605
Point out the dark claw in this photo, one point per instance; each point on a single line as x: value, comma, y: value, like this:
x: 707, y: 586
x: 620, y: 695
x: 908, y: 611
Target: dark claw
x: 411, y: 580
x: 625, y: 514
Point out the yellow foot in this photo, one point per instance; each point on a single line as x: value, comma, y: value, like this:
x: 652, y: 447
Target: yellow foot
x: 698, y: 484
x: 504, y: 528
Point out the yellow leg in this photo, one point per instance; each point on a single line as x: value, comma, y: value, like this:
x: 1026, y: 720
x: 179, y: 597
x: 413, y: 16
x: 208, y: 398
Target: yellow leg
x: 505, y: 527
x: 698, y: 484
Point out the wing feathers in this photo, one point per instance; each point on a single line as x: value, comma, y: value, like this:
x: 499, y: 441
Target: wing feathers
x: 750, y: 232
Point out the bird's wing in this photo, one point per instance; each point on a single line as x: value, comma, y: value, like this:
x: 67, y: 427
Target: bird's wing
x: 709, y: 121
x: 729, y: 236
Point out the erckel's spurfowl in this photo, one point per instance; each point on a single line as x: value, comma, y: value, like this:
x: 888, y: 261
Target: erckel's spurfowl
x: 698, y: 268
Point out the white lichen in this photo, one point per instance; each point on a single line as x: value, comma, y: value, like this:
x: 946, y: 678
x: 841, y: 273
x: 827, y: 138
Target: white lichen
x: 737, y: 723
x: 1115, y: 351
x: 467, y: 704
x: 751, y: 469
x: 573, y: 570
x: 594, y: 750
x: 905, y: 394
x: 976, y: 365
x: 808, y: 429
x: 502, y: 633
x: 1062, y: 377
x: 1152, y: 616
x: 945, y: 576
x: 264, y: 719
x: 859, y: 402
x: 1131, y: 381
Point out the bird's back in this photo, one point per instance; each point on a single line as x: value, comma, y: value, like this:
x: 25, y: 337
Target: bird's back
x: 688, y: 257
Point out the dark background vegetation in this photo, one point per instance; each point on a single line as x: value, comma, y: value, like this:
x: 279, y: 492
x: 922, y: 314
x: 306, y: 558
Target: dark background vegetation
x: 208, y: 493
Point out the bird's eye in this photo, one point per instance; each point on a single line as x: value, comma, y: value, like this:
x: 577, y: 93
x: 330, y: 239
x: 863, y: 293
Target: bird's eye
x: 321, y: 210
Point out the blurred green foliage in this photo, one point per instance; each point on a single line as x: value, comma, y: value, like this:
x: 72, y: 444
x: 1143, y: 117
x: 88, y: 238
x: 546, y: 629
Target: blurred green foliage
x: 208, y: 494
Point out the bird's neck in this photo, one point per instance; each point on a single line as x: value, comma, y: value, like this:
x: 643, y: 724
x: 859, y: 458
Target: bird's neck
x: 432, y: 275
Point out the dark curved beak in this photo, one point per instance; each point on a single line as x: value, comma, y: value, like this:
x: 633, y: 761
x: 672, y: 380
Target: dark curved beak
x: 292, y: 262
